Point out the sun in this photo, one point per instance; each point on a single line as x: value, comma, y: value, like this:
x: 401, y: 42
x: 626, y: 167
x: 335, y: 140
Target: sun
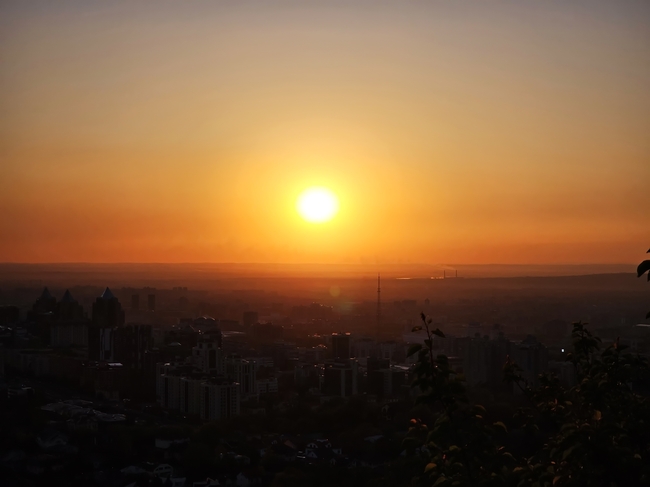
x: 317, y: 204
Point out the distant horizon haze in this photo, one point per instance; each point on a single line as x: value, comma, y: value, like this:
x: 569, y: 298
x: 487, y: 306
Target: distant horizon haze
x: 307, y: 270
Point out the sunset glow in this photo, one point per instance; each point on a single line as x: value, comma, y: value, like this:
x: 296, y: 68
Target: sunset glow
x: 317, y: 205
x: 184, y: 131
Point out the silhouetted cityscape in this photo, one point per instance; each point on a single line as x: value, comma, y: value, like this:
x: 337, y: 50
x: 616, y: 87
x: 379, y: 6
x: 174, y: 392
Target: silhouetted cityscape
x: 252, y: 386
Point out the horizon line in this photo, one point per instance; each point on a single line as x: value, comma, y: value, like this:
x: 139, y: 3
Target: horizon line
x: 323, y: 263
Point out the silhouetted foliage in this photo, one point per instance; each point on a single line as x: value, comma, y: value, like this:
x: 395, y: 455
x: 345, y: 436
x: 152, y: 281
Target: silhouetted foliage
x: 596, y: 433
x: 642, y: 269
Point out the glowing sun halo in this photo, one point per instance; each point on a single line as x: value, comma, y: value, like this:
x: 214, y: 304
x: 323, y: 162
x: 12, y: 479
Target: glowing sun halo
x: 317, y: 205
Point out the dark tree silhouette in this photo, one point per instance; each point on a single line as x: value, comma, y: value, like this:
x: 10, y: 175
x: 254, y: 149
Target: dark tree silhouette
x: 642, y: 269
x: 596, y: 433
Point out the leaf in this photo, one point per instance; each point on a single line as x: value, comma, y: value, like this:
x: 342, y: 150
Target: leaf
x: 597, y: 415
x: 429, y: 466
x: 441, y: 480
x: 568, y: 452
x: 509, y: 456
x: 480, y: 409
x: 437, y: 331
x: 643, y: 268
x: 501, y: 426
x: 413, y: 349
x: 416, y: 328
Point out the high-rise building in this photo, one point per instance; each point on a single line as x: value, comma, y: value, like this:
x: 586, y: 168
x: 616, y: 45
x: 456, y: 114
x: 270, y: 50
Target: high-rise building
x: 190, y: 389
x: 182, y: 387
x: 131, y: 342
x: 244, y: 372
x: 220, y: 400
x: 387, y: 350
x: 267, y: 386
x: 341, y: 345
x: 169, y: 391
x: 386, y: 382
x: 364, y: 348
x: 41, y: 315
x: 68, y: 308
x: 70, y: 325
x: 46, y: 303
x: 107, y: 316
x: 107, y: 311
x: 340, y: 378
x: 208, y: 356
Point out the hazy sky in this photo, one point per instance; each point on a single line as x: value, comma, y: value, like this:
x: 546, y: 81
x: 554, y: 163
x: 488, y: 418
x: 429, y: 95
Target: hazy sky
x: 452, y: 131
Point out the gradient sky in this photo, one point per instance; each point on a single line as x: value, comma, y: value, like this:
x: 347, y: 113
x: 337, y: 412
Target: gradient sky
x: 458, y: 132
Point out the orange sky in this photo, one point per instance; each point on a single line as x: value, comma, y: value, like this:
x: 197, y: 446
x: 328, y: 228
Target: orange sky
x: 458, y: 132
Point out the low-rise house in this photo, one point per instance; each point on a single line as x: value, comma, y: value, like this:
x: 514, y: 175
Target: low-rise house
x: 321, y: 450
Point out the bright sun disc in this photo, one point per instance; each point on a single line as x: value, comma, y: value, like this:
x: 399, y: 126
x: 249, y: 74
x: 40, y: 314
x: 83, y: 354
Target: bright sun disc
x: 317, y: 205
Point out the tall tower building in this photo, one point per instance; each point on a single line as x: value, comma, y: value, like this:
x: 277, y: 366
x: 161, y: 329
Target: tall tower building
x: 107, y: 311
x: 42, y: 313
x: 46, y: 303
x: 70, y: 325
x: 68, y: 308
x: 107, y: 316
x: 341, y: 345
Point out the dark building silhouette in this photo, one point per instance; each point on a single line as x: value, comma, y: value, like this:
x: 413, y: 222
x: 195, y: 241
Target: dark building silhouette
x: 70, y: 325
x: 68, y: 308
x: 107, y: 311
x: 385, y: 380
x: 46, y: 303
x: 41, y: 315
x: 107, y: 316
x: 340, y: 345
x: 131, y: 346
x: 375, y: 363
x: 135, y: 302
x: 340, y: 378
x: 151, y: 302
